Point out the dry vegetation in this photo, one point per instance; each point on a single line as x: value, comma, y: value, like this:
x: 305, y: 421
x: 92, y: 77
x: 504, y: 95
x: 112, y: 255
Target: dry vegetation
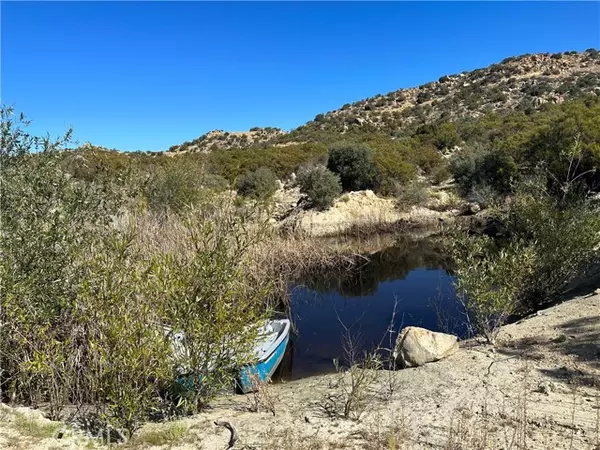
x: 106, y: 257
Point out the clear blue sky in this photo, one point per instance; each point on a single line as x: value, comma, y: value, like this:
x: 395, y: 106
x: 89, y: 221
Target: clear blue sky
x: 147, y: 75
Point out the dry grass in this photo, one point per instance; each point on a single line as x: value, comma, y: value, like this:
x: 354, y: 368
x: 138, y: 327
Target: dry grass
x: 34, y: 427
x: 166, y: 434
x: 263, y: 397
x: 274, y: 259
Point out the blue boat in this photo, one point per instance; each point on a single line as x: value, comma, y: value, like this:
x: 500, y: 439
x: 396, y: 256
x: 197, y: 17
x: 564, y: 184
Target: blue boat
x: 269, y: 350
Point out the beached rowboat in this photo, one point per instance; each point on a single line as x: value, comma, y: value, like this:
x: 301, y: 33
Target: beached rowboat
x: 269, y: 350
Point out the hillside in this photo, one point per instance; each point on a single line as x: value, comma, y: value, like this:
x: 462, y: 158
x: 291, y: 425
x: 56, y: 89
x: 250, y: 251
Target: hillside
x: 219, y: 139
x: 522, y: 83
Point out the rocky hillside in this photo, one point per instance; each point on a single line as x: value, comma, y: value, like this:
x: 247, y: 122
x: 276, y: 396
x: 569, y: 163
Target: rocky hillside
x: 518, y: 83
x: 218, y: 139
x: 521, y: 82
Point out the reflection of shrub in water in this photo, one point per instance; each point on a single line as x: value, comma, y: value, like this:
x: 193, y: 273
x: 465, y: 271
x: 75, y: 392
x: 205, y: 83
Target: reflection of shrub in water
x: 393, y: 263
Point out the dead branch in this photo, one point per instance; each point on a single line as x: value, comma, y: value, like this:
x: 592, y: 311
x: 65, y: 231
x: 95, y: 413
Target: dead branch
x: 233, y: 438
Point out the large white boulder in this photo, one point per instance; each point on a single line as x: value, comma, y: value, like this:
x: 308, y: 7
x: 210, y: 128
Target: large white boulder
x: 417, y: 346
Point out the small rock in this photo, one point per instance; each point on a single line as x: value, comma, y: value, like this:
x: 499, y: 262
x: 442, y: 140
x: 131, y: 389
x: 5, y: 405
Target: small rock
x: 559, y: 339
x: 474, y: 208
x: 417, y: 346
x: 545, y: 387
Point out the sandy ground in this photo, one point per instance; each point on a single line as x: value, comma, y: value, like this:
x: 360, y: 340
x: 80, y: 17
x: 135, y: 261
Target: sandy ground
x: 538, y: 389
x: 360, y: 209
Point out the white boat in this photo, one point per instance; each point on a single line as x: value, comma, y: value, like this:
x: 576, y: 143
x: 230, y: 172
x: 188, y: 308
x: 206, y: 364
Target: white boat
x: 268, y: 351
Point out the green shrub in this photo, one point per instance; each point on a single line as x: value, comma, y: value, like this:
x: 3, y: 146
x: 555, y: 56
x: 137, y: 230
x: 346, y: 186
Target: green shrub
x: 488, y: 281
x: 87, y: 298
x: 393, y: 167
x: 478, y: 166
x: 174, y: 186
x: 320, y: 185
x: 563, y: 236
x: 234, y: 163
x: 445, y: 136
x: 214, y: 182
x: 550, y: 245
x: 355, y: 165
x: 260, y: 184
x: 204, y: 294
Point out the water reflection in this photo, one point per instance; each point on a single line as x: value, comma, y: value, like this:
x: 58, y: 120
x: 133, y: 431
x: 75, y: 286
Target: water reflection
x: 412, y: 276
x: 392, y: 263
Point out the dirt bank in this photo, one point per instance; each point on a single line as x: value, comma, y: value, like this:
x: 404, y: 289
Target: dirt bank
x: 539, y: 389
x: 356, y: 210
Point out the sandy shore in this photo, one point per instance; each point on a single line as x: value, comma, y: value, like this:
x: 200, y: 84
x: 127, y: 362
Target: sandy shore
x: 538, y: 389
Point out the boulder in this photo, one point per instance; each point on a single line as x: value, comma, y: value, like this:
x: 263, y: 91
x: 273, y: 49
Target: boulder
x: 417, y: 346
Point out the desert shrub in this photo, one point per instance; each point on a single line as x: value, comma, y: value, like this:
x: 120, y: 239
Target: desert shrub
x: 484, y: 195
x: 489, y: 280
x: 445, y: 136
x: 440, y: 174
x: 214, y: 182
x: 411, y: 194
x: 357, y: 379
x: 51, y: 224
x: 86, y: 299
x: 234, y: 163
x: 259, y: 184
x: 128, y: 363
x: 355, y: 166
x: 550, y: 245
x: 393, y: 168
x: 174, y: 186
x: 426, y: 157
x: 563, y: 236
x: 477, y: 166
x: 567, y: 146
x: 320, y: 185
x: 205, y: 296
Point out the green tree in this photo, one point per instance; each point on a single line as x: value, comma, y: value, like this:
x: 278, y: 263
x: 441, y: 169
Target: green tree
x: 478, y: 166
x: 355, y: 165
x: 260, y: 184
x: 320, y: 185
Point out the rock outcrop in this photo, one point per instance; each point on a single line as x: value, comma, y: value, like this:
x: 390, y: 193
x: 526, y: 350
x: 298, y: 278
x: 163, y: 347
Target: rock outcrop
x: 417, y: 346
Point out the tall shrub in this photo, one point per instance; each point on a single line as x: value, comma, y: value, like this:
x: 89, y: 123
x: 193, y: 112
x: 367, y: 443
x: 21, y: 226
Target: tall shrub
x: 320, y: 185
x: 355, y: 165
x: 259, y: 184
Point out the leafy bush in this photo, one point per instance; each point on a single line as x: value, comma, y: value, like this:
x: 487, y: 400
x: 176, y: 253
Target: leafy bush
x: 234, y: 163
x: 488, y: 281
x: 393, y: 167
x: 320, y: 185
x: 564, y: 238
x: 355, y: 166
x: 214, y: 182
x: 173, y: 186
x: 478, y: 166
x: 205, y: 295
x: 87, y: 296
x: 260, y: 184
x: 550, y: 245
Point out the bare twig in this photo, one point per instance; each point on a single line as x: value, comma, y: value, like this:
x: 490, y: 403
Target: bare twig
x: 234, y: 437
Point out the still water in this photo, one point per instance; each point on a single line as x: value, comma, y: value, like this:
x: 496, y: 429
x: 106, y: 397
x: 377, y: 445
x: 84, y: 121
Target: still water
x: 411, y: 278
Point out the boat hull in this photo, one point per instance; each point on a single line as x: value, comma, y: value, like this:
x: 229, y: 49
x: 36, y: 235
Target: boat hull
x: 262, y: 371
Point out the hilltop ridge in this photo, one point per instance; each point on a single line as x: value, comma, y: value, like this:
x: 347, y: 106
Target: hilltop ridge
x: 523, y: 83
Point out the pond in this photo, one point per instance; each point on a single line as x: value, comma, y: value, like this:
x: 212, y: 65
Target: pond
x: 409, y: 282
